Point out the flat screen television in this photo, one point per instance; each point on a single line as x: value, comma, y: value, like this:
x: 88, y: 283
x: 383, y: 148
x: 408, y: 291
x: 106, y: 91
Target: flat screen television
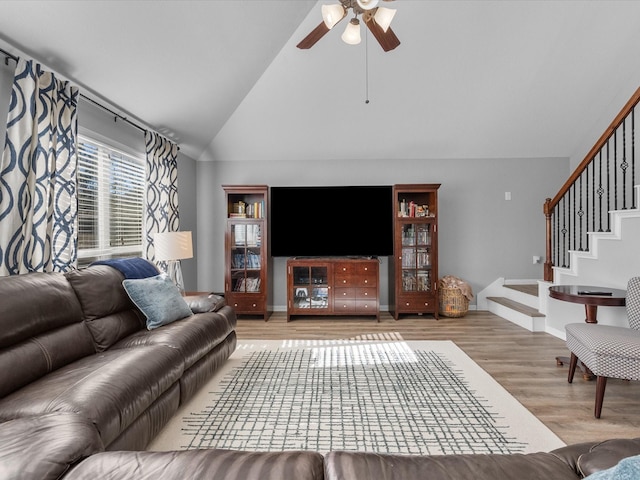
x: 331, y: 221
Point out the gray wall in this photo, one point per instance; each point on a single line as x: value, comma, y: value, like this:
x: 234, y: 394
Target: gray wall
x: 482, y: 236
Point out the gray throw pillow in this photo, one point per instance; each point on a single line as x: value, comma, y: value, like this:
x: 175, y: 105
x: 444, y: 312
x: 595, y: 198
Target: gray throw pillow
x: 158, y: 299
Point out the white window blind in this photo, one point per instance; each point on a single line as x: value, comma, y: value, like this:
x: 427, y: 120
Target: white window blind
x: 110, y: 202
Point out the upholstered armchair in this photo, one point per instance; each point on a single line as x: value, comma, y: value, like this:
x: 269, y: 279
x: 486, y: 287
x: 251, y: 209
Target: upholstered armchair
x: 608, y: 351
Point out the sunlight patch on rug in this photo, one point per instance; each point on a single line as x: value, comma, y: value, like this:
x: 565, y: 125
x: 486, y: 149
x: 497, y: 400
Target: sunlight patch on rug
x: 423, y: 397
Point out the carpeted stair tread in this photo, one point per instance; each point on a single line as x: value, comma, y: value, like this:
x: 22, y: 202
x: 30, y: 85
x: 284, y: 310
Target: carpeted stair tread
x: 517, y: 306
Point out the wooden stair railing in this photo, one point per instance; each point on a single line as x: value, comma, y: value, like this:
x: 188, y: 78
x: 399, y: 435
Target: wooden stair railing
x: 603, y: 181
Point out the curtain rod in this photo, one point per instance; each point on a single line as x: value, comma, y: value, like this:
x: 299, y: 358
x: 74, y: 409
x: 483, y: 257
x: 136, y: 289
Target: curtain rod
x: 116, y: 115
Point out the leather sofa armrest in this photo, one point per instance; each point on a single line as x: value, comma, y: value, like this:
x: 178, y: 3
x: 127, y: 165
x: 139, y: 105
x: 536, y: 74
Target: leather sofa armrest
x: 205, y: 303
x: 607, y: 454
x: 571, y: 453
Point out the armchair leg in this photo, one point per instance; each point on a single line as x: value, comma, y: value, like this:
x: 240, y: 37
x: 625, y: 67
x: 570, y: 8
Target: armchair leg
x: 573, y: 363
x: 601, y: 384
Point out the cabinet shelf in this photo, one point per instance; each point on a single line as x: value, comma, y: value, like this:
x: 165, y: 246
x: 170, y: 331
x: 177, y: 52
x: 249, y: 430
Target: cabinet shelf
x: 246, y: 261
x: 413, y: 268
x: 332, y: 286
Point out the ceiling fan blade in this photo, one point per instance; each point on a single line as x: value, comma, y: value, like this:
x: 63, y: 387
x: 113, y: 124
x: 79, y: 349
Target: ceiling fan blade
x: 387, y: 40
x: 315, y: 35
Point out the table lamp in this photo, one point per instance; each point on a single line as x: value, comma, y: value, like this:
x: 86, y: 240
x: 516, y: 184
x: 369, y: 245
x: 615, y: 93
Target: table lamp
x: 173, y: 247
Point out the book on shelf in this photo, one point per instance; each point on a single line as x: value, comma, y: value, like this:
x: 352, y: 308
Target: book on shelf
x: 423, y: 279
x: 255, y: 209
x: 247, y: 285
x: 251, y: 260
x: 249, y: 235
x: 413, y: 209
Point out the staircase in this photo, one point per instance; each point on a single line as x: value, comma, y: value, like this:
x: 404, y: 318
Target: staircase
x: 515, y: 300
x: 611, y: 261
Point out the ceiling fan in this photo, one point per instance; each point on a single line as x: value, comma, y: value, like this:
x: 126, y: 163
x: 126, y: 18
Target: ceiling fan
x: 376, y: 18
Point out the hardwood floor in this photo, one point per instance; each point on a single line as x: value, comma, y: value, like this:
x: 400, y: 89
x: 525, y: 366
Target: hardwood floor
x: 521, y: 361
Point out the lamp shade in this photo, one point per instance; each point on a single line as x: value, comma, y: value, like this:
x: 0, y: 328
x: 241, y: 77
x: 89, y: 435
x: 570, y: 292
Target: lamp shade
x: 367, y: 4
x: 384, y: 16
x: 332, y: 14
x: 173, y: 245
x: 351, y: 34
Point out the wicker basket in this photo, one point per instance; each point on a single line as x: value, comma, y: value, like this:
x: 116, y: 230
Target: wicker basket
x: 452, y: 302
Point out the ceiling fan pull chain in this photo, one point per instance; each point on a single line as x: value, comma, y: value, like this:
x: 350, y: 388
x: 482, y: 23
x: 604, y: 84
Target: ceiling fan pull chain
x: 366, y: 66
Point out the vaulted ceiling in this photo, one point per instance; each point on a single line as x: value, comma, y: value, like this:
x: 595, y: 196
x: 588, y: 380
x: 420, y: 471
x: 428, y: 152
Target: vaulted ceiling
x: 223, y: 78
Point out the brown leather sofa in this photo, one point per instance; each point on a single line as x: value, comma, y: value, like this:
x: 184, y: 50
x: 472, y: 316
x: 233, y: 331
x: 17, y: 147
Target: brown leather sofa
x: 75, y: 343
x: 84, y: 387
x: 68, y: 446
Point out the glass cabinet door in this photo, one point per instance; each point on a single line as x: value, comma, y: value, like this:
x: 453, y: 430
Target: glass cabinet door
x: 416, y: 257
x: 246, y: 259
x: 310, y: 287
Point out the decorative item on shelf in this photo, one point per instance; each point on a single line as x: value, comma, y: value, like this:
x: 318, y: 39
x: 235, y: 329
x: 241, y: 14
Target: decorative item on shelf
x: 173, y: 247
x: 376, y: 18
x: 454, y: 295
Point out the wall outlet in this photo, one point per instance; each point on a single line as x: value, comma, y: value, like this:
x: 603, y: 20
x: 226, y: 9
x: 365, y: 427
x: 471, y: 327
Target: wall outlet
x: 537, y: 259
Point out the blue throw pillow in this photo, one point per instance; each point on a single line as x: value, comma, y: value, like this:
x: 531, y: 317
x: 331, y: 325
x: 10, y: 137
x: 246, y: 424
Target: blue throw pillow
x: 158, y: 299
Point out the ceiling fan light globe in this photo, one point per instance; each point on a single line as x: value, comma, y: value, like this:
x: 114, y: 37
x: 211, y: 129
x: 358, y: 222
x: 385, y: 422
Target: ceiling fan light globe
x: 383, y: 17
x: 332, y: 14
x: 367, y: 4
x: 351, y: 34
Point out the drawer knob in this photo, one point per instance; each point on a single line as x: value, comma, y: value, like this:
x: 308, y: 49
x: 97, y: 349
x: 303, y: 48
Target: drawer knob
x: 366, y: 281
x: 407, y: 304
x: 254, y: 305
x: 344, y: 294
x: 344, y: 281
x: 365, y: 294
x: 235, y: 304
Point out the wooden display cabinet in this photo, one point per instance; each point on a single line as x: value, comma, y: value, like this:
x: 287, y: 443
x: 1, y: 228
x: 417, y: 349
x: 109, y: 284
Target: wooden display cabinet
x: 413, y: 268
x: 333, y: 286
x: 246, y: 253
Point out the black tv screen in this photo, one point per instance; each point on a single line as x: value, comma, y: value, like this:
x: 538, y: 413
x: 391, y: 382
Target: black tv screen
x: 331, y: 221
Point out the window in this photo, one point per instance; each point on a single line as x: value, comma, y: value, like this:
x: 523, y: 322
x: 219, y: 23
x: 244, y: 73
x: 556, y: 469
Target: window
x: 110, y: 202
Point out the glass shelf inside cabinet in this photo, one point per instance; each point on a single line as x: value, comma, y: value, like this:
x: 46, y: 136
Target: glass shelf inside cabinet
x: 423, y: 280
x: 408, y: 235
x: 409, y: 283
x: 423, y: 235
x: 310, y: 288
x: 246, y: 283
x: 249, y: 235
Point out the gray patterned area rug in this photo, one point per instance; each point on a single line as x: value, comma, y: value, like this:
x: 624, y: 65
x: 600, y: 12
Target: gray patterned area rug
x: 421, y: 397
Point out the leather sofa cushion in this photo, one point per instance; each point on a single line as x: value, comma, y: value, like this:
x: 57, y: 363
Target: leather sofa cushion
x: 35, y: 303
x: 111, y: 388
x: 107, y: 309
x: 28, y: 361
x: 350, y: 465
x: 200, y: 464
x: 193, y: 336
x: 45, y: 447
x: 42, y: 328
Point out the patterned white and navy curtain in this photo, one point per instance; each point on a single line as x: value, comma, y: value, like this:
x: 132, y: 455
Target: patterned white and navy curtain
x: 38, y: 210
x: 161, y: 208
